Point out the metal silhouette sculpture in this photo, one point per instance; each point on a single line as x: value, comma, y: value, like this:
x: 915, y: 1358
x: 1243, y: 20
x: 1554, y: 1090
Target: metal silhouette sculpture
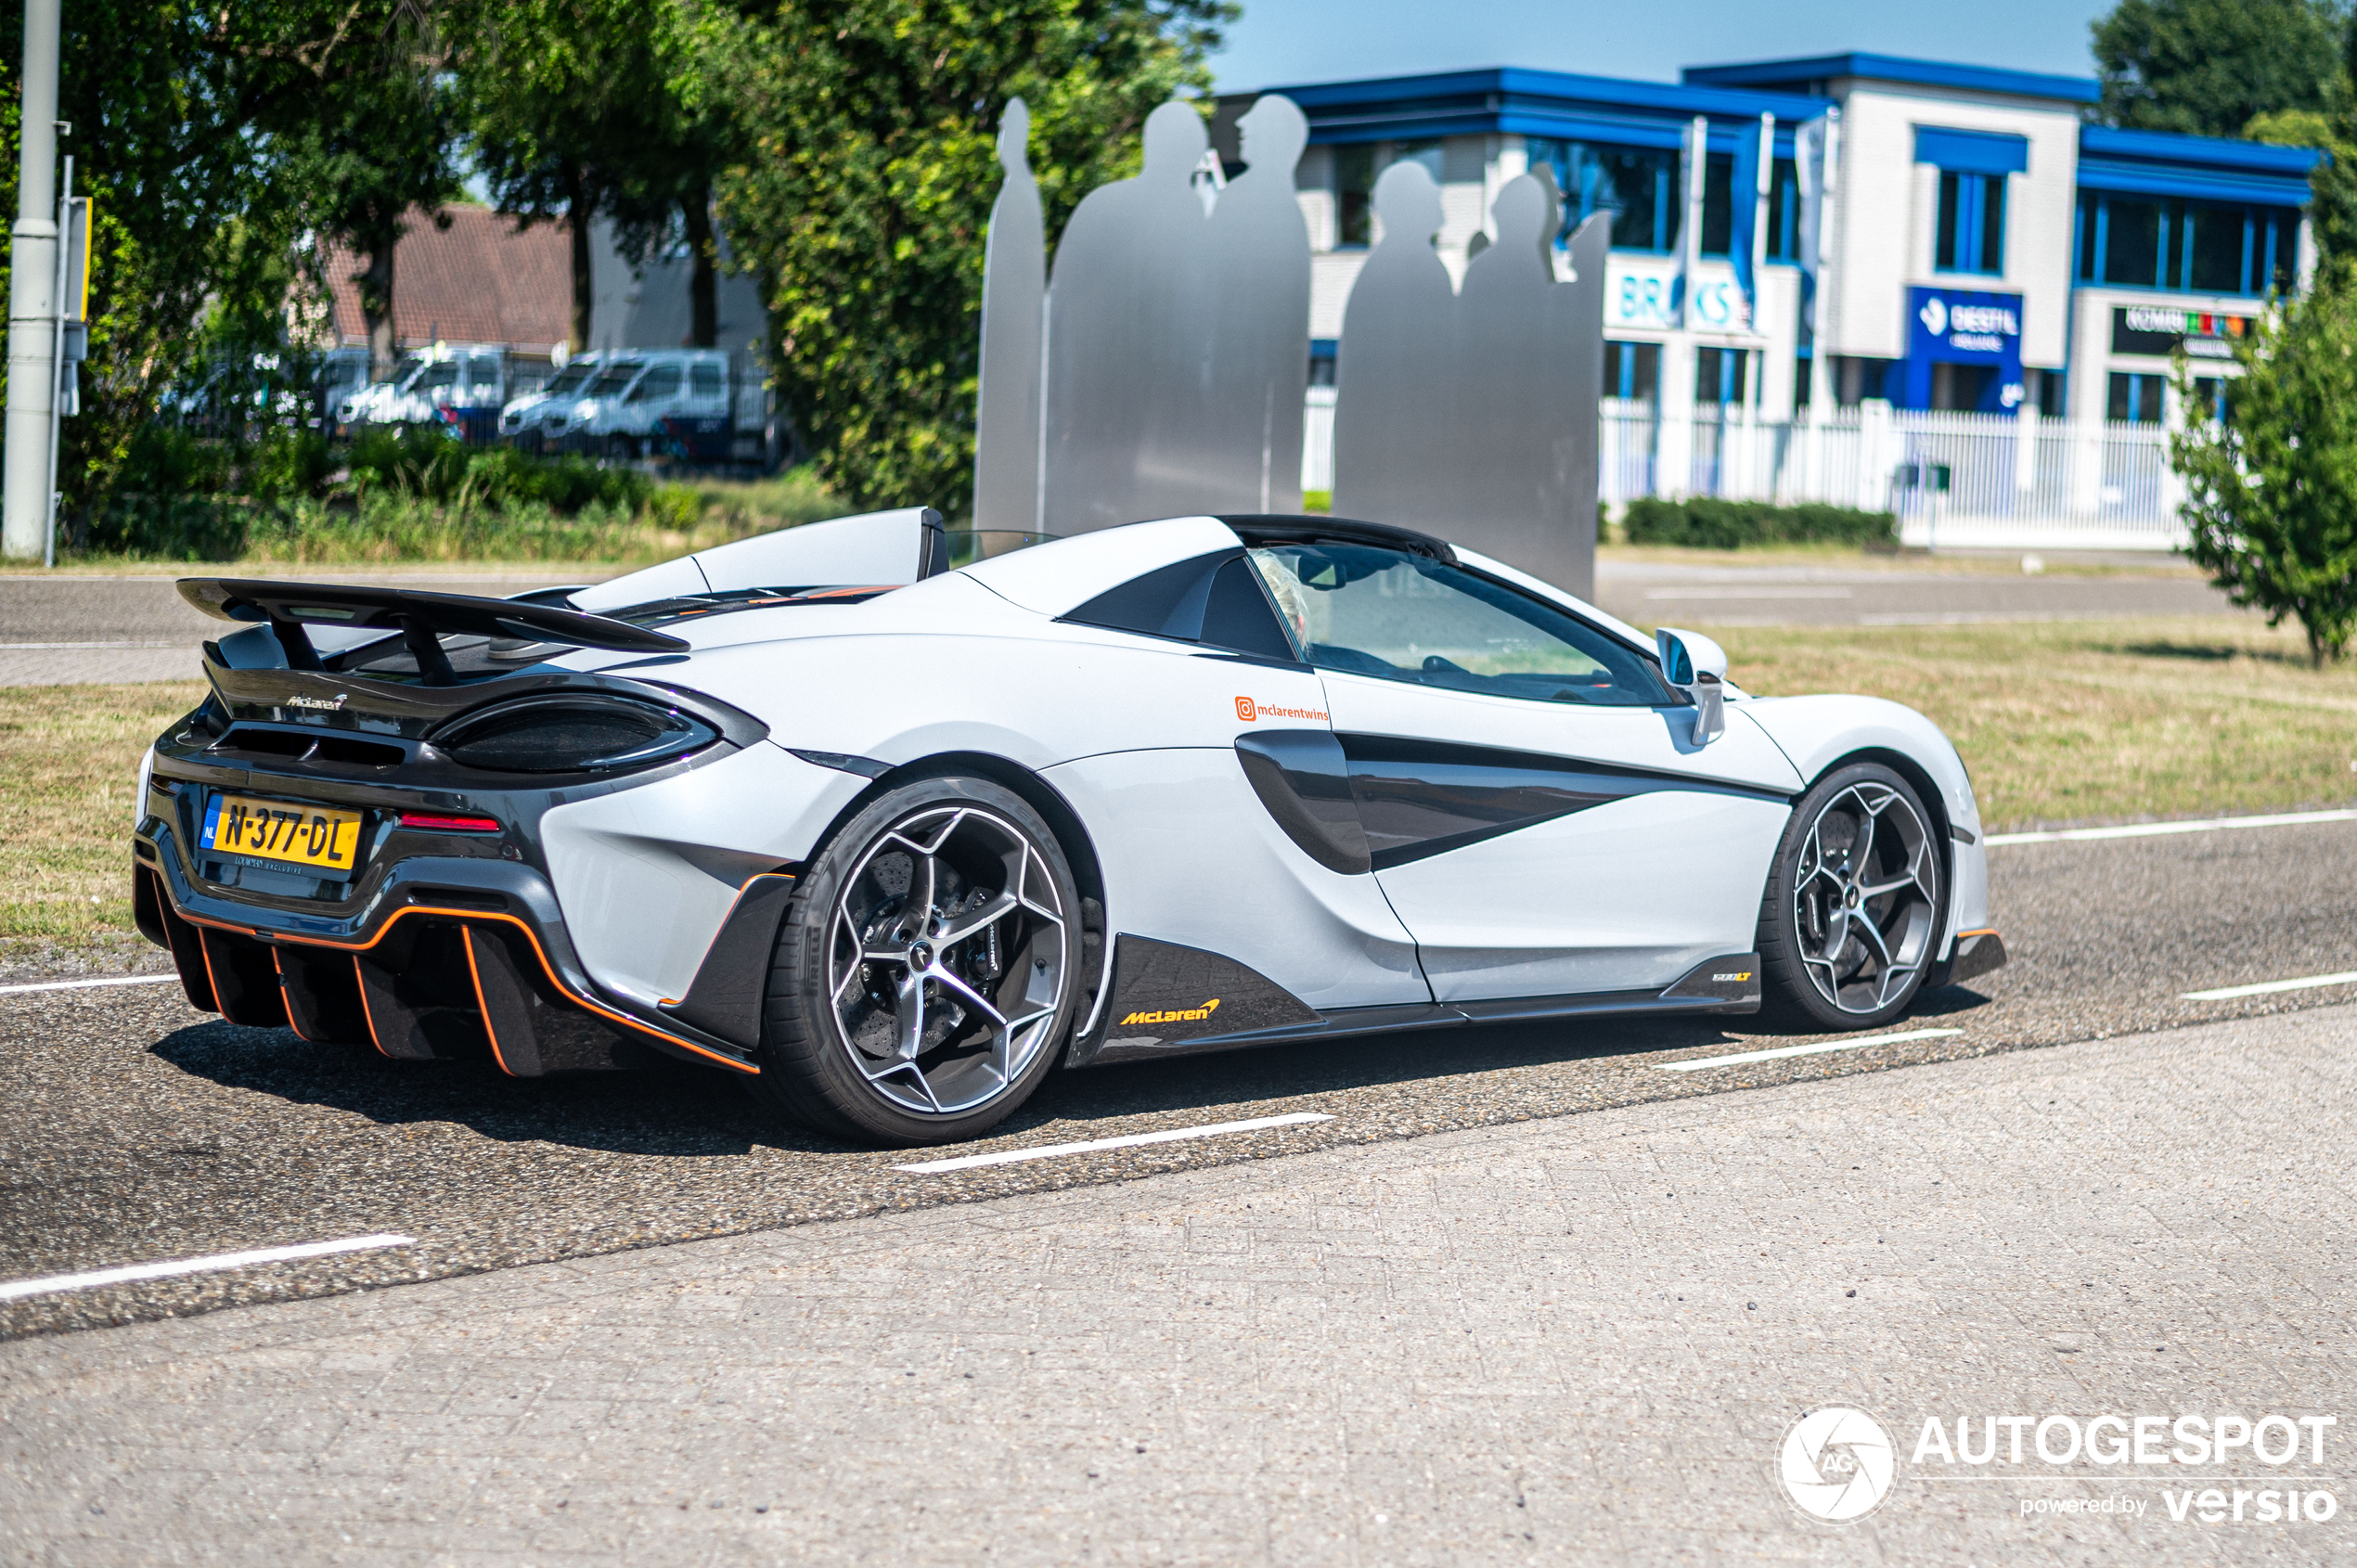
x: 1396, y: 425
x: 1014, y: 302
x: 1128, y: 349
x: 1472, y: 412
x: 1259, y: 318
x: 1160, y: 369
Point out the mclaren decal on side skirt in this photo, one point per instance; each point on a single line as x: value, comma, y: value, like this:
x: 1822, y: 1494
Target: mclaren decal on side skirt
x: 1165, y: 995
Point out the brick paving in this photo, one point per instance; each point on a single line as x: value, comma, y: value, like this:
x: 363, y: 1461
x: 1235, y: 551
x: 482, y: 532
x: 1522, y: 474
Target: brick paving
x: 1570, y: 1339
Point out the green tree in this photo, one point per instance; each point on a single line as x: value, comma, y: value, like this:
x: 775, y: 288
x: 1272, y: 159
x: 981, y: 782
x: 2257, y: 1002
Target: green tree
x: 358, y: 99
x: 2209, y: 67
x: 865, y: 184
x: 2271, y: 507
x: 185, y: 203
x: 577, y: 113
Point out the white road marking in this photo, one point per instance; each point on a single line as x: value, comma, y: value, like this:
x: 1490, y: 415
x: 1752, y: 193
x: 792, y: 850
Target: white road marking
x: 2153, y: 829
x: 84, y: 984
x: 1747, y: 592
x: 16, y: 1288
x: 1051, y: 1150
x: 2267, y: 987
x: 1804, y: 1050
x: 11, y: 646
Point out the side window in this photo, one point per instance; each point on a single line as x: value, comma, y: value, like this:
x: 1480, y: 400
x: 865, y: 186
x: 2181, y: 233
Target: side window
x: 1364, y: 611
x: 1216, y: 601
x: 703, y: 379
x: 661, y: 382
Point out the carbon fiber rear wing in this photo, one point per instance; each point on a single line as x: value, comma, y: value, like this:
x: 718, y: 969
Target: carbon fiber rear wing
x: 419, y: 616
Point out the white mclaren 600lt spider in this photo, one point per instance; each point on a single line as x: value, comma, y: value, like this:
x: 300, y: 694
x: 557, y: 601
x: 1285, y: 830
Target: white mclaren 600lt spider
x: 892, y: 836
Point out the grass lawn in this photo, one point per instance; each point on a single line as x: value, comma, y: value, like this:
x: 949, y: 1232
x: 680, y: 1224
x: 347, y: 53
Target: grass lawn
x: 2060, y: 722
x: 2074, y: 722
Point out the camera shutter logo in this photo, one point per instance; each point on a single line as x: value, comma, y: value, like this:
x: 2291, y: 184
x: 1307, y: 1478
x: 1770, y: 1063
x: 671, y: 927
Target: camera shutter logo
x: 1837, y: 1464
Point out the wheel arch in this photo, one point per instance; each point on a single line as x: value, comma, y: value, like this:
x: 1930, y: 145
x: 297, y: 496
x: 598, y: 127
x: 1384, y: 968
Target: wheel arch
x: 1071, y: 837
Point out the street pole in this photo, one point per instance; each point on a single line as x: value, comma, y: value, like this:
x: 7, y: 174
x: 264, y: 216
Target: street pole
x: 57, y: 373
x: 32, y: 296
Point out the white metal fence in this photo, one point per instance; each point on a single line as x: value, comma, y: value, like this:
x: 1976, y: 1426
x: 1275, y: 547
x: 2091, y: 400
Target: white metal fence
x: 1995, y: 481
x: 1959, y: 480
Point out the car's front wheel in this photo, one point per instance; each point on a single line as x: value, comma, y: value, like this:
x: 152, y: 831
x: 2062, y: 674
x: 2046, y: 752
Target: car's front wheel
x: 924, y: 976
x: 1855, y: 902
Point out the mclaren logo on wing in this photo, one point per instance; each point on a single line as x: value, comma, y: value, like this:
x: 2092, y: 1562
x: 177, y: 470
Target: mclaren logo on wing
x: 299, y: 700
x: 1180, y: 1015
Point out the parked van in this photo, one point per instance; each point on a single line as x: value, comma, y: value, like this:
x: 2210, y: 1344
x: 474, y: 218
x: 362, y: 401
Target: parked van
x: 546, y: 411
x: 667, y: 383
x: 443, y: 380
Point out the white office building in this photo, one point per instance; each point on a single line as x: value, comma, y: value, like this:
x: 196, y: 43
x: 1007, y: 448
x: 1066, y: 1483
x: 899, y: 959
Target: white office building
x: 1857, y: 278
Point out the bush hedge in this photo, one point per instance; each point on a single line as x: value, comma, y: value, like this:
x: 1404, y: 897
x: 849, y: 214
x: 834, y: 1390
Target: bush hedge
x: 1709, y: 524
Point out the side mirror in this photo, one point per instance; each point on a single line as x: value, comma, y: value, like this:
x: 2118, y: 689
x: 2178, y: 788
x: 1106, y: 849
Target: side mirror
x: 1696, y: 666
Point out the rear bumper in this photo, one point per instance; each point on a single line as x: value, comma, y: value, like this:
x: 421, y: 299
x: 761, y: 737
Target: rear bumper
x: 446, y: 956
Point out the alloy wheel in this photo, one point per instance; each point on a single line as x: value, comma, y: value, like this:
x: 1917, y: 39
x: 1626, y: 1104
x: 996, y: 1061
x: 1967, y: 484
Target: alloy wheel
x: 948, y: 954
x: 1866, y: 898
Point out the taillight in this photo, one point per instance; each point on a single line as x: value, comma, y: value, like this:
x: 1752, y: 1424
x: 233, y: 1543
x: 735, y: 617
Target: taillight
x: 434, y: 822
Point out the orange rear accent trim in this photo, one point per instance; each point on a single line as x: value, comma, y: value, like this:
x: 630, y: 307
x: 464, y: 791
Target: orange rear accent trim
x: 475, y: 974
x: 1985, y: 931
x: 529, y: 935
x: 362, y: 981
x: 280, y: 964
x: 206, y: 952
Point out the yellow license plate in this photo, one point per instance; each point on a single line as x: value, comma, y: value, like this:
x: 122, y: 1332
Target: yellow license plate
x: 282, y: 831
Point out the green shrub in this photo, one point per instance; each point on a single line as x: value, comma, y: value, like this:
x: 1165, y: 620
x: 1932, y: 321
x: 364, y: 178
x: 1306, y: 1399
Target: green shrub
x: 289, y: 463
x: 1707, y: 523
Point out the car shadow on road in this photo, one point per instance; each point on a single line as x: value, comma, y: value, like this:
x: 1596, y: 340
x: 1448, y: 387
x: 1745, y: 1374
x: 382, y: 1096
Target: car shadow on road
x: 1374, y: 1060
x: 678, y: 1111
x: 670, y: 1109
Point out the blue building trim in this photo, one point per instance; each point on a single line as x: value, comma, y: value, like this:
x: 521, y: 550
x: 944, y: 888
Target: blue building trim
x: 1512, y: 100
x: 1808, y: 74
x: 1972, y: 152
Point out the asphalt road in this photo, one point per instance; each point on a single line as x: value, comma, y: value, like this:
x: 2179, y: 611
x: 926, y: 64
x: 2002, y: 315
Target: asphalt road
x: 1584, y: 1339
x: 137, y: 1131
x: 1742, y: 594
x: 63, y: 628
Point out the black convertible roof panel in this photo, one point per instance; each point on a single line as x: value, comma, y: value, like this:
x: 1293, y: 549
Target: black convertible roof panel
x: 1269, y: 528
x: 413, y: 610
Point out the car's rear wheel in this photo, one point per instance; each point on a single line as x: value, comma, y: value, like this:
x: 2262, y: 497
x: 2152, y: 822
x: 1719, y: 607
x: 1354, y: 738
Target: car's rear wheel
x: 925, y: 974
x: 1855, y: 903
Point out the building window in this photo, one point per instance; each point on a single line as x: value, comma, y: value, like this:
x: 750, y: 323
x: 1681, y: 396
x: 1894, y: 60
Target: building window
x: 1632, y: 370
x: 1972, y: 224
x: 2051, y: 385
x: 1784, y: 212
x: 1638, y: 185
x: 1719, y: 375
x: 2146, y: 243
x: 2209, y: 397
x: 2135, y: 400
x: 1802, y: 366
x: 1355, y: 194
x: 1718, y: 203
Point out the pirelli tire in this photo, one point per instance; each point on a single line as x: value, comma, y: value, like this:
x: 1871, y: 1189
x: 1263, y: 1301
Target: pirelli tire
x: 927, y: 974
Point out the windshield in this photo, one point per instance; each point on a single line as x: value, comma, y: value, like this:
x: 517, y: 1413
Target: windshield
x: 568, y: 378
